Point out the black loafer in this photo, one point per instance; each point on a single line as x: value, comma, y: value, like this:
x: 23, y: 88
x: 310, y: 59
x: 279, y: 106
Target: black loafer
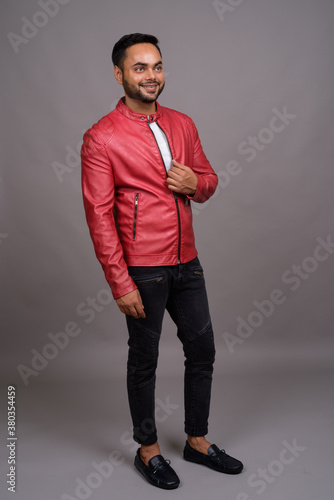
x: 158, y: 472
x: 215, y: 459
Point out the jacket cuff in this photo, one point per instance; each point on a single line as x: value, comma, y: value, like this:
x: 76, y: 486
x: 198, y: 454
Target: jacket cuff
x: 198, y: 196
x: 120, y: 290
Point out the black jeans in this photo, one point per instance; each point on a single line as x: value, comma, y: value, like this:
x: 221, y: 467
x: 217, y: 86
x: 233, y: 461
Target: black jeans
x: 181, y: 290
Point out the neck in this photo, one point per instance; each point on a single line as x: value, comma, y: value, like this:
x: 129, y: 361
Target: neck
x: 146, y: 108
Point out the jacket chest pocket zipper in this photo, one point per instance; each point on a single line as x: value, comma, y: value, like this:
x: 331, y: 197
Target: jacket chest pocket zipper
x: 135, y: 217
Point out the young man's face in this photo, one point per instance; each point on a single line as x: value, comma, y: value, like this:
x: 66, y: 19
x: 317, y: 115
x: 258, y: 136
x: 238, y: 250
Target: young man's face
x: 142, y: 77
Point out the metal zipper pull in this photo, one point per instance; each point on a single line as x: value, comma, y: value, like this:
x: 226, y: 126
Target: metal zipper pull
x: 135, y: 218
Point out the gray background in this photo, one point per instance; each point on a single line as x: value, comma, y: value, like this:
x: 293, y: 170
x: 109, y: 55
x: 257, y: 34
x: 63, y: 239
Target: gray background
x: 228, y: 72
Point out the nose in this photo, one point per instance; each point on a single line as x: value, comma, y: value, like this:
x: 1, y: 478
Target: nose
x: 150, y: 74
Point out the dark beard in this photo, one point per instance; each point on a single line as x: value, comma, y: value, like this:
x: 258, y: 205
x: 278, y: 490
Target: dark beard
x: 136, y: 93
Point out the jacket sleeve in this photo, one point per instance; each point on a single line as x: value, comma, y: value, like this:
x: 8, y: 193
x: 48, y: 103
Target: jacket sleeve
x: 98, y: 190
x: 207, y: 178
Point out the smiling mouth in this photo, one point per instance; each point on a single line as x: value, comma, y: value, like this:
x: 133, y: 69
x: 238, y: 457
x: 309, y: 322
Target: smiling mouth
x: 151, y: 87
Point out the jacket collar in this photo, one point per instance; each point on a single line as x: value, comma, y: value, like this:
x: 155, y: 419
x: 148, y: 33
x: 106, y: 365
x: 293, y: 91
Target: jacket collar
x: 139, y: 117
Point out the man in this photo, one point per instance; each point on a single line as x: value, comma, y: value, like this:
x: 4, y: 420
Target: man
x: 141, y: 165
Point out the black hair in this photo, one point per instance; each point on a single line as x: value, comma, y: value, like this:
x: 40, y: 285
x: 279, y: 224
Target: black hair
x: 119, y: 51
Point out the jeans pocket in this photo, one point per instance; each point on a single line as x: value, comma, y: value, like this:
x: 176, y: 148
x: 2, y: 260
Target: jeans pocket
x: 147, y: 280
x: 198, y: 272
x: 194, y: 268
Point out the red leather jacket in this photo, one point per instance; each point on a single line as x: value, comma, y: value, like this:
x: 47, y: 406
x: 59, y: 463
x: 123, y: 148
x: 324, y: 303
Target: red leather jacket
x: 133, y: 218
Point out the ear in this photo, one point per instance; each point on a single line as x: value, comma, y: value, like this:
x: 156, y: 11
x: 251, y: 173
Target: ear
x: 118, y: 74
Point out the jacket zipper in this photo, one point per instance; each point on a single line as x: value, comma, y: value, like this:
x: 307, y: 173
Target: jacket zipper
x: 174, y: 194
x: 135, y: 218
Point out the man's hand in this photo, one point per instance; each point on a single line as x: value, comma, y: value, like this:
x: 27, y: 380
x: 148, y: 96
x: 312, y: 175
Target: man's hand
x: 181, y: 179
x: 131, y: 304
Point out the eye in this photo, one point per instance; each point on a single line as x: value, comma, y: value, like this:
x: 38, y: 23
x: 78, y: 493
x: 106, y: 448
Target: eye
x: 158, y: 68
x: 139, y: 69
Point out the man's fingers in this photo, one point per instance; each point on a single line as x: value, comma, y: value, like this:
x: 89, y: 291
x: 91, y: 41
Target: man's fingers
x: 174, y: 186
x: 177, y: 164
x: 136, y: 310
x: 131, y: 304
x: 174, y: 173
x: 172, y: 180
x: 140, y: 308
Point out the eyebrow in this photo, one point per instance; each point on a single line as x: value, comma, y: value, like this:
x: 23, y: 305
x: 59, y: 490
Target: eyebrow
x: 145, y: 64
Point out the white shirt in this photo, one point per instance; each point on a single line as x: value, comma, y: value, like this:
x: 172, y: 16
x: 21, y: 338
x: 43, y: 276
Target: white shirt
x: 161, y: 139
